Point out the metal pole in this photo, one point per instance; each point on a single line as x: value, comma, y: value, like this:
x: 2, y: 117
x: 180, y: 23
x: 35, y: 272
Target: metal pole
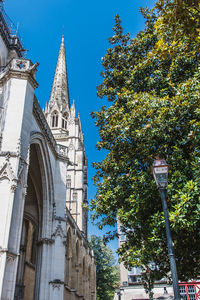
x: 170, y: 246
x: 119, y: 295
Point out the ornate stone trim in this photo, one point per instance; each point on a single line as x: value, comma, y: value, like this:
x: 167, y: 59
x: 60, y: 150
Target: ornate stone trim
x: 6, y: 171
x: 46, y: 241
x: 59, y: 232
x: 71, y: 121
x: 21, y: 173
x: 62, y: 150
x: 60, y: 219
x: 56, y: 283
x: 10, y: 256
x: 21, y: 69
x: 9, y: 154
x: 71, y: 146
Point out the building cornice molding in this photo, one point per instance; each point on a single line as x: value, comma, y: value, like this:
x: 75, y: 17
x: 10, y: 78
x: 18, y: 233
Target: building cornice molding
x: 46, y: 241
x: 56, y: 283
x: 20, y: 68
x: 10, y: 254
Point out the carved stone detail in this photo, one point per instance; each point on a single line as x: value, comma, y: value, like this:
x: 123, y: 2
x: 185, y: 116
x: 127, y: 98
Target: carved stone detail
x: 56, y: 283
x: 13, y: 188
x: 20, y: 68
x: 71, y: 121
x: 46, y: 241
x: 21, y: 173
x: 20, y: 64
x: 59, y: 232
x: 71, y: 146
x: 7, y: 172
x: 62, y: 150
x: 11, y: 257
x: 8, y: 154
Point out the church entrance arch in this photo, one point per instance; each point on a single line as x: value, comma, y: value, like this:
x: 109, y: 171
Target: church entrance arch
x: 36, y: 215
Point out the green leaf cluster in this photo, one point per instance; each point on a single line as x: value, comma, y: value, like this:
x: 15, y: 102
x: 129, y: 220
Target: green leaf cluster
x: 152, y: 84
x: 107, y: 272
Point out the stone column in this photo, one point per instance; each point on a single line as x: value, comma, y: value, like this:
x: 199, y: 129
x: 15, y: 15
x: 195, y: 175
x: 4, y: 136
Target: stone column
x: 19, y: 83
x: 58, y: 262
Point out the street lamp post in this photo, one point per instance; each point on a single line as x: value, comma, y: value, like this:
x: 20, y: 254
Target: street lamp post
x: 160, y: 173
x: 118, y: 291
x: 147, y: 283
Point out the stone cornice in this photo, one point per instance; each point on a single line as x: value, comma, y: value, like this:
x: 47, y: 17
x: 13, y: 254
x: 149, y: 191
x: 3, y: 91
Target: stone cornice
x: 9, y: 154
x: 46, y: 241
x: 10, y: 254
x: 56, y: 283
x: 21, y: 69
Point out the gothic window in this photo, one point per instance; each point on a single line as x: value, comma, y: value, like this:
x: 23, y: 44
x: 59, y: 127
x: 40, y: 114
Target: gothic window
x: 68, y: 183
x: 77, y: 266
x: 64, y: 121
x: 75, y: 196
x: 34, y: 248
x: 69, y: 259
x: 31, y: 244
x: 54, y: 119
x: 83, y: 270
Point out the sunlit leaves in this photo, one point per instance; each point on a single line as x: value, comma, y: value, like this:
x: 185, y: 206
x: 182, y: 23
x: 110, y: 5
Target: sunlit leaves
x: 152, y: 84
x: 107, y: 273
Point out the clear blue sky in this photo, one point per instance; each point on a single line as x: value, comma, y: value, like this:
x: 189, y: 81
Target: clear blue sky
x: 87, y: 26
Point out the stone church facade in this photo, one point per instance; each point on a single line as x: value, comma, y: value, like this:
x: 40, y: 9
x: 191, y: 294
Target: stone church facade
x: 44, y: 253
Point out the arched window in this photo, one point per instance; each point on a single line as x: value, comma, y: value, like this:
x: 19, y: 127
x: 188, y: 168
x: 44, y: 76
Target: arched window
x: 64, y: 121
x: 68, y: 275
x: 77, y: 268
x: 54, y: 119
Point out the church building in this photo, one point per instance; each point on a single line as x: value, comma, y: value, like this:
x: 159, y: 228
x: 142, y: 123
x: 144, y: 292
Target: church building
x: 44, y: 252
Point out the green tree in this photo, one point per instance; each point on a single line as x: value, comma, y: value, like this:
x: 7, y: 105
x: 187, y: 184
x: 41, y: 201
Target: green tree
x: 107, y: 272
x: 153, y: 91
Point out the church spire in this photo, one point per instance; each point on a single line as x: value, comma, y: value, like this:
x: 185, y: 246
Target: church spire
x: 59, y: 92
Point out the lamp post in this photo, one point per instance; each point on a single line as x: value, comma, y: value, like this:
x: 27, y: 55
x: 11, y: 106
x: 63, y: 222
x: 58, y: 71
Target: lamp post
x: 160, y: 173
x: 119, y: 294
x: 148, y: 283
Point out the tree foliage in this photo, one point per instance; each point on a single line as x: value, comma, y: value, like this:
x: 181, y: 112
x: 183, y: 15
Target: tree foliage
x: 107, y: 272
x: 152, y: 84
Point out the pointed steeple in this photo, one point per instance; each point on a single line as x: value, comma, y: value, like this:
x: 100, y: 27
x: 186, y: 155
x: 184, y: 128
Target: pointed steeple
x: 59, y: 92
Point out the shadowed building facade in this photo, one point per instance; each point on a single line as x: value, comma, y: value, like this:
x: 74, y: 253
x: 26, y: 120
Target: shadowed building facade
x: 44, y: 252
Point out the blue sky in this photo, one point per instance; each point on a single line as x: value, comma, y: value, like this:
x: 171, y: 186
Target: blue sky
x: 87, y: 26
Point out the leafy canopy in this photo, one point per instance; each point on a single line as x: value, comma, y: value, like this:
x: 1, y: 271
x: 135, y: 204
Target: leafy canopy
x: 107, y: 273
x: 152, y: 84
